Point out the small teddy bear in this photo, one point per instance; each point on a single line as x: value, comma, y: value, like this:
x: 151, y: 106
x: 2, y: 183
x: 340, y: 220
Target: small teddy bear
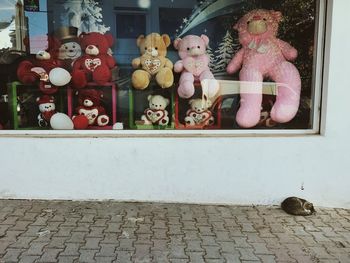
x: 194, y: 65
x: 264, y: 55
x: 45, y: 69
x: 96, y: 64
x: 156, y: 114
x: 199, y: 114
x: 89, y: 101
x: 47, y: 109
x: 152, y: 62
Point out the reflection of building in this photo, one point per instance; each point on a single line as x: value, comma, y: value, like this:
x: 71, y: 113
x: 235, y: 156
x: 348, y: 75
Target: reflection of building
x: 21, y: 26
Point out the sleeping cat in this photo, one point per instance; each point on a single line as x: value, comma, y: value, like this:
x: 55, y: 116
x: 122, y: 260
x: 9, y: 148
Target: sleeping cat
x: 297, y: 206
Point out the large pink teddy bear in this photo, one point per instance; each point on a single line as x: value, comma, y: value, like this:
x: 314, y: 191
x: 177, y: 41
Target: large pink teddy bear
x: 264, y: 55
x: 194, y: 66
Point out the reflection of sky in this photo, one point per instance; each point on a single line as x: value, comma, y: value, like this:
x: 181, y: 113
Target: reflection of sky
x: 38, y: 20
x: 7, y: 10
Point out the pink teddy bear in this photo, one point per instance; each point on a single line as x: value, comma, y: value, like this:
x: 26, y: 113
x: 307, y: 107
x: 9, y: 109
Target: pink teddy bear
x: 264, y: 55
x: 194, y: 66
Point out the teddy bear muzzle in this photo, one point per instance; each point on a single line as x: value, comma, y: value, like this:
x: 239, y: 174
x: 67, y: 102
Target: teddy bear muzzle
x: 257, y: 26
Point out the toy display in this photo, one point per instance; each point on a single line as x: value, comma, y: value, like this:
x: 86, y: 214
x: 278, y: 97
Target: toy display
x: 197, y: 65
x: 47, y: 109
x: 96, y: 64
x: 194, y: 65
x: 156, y: 114
x: 152, y: 62
x: 199, y: 114
x: 89, y: 101
x: 264, y: 55
x: 70, y: 49
x: 45, y: 69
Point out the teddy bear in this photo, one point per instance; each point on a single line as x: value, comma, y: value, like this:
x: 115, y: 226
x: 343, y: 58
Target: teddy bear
x: 70, y: 49
x: 89, y: 101
x: 264, y: 55
x: 96, y: 64
x: 152, y: 62
x: 199, y: 113
x: 194, y: 65
x: 156, y: 113
x: 45, y: 69
x: 47, y: 109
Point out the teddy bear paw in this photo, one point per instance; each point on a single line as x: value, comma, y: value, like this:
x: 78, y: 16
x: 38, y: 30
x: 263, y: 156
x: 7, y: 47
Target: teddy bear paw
x: 102, y: 120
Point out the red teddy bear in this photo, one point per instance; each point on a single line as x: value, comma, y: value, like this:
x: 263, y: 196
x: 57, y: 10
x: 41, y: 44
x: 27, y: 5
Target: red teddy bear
x: 44, y: 68
x: 96, y: 64
x: 89, y: 101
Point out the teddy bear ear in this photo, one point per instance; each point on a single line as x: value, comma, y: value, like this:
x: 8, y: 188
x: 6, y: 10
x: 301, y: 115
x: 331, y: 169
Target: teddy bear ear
x: 140, y: 39
x: 81, y: 36
x: 167, y: 101
x: 37, y: 99
x: 149, y: 97
x: 277, y: 15
x: 205, y: 39
x: 191, y: 101
x: 110, y: 39
x: 166, y: 40
x: 177, y: 43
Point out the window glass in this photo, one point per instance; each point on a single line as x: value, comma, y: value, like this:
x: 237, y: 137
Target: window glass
x: 160, y: 64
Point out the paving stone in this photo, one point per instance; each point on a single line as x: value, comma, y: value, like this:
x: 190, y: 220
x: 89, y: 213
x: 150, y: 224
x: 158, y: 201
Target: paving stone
x: 87, y: 255
x: 35, y: 249
x: 28, y: 259
x: 49, y: 255
x: 12, y: 255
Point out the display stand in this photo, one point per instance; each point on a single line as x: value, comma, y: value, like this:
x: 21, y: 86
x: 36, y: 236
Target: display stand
x: 182, y: 106
x: 24, y: 116
x: 72, y: 103
x: 138, y: 102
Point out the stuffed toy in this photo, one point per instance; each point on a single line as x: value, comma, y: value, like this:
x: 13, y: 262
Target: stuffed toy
x: 47, y: 109
x: 156, y: 113
x: 70, y: 49
x: 89, y: 101
x: 199, y: 114
x: 264, y: 55
x: 45, y: 69
x: 153, y: 62
x: 194, y: 65
x: 96, y: 64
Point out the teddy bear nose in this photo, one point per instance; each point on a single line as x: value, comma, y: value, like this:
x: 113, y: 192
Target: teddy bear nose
x: 90, y: 47
x: 257, y: 17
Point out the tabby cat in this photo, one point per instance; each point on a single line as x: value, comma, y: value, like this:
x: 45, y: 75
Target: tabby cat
x: 297, y: 206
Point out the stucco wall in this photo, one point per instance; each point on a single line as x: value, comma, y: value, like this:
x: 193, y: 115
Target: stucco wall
x: 251, y: 170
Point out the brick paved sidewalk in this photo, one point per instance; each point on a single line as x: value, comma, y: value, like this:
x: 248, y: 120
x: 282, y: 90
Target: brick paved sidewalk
x: 46, y: 231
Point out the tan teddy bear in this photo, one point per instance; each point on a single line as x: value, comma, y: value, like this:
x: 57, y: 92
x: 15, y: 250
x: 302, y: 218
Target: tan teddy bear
x: 153, y: 62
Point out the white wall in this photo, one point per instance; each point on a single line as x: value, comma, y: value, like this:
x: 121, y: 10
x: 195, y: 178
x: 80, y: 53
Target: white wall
x: 252, y: 170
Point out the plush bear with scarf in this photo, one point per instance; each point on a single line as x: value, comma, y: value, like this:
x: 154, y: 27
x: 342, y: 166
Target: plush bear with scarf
x: 199, y: 114
x: 89, y: 101
x: 153, y: 62
x: 156, y: 114
x: 194, y: 65
x: 45, y: 69
x: 96, y: 64
x: 264, y: 55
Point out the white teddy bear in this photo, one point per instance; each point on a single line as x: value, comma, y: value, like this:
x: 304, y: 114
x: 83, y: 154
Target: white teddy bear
x: 156, y: 113
x: 199, y: 114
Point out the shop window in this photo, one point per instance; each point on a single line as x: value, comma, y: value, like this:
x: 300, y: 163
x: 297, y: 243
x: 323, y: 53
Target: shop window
x: 209, y: 65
